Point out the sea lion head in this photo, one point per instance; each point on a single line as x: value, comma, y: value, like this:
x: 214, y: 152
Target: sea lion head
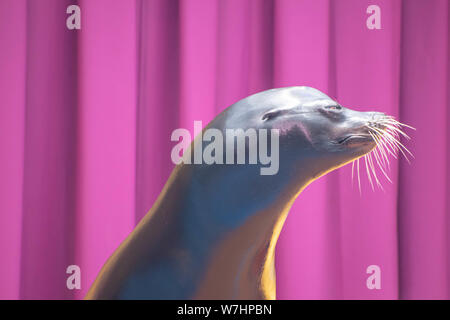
x: 315, y: 131
x: 314, y: 135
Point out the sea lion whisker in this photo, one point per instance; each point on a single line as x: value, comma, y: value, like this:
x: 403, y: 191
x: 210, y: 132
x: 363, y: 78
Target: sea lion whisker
x: 401, y: 146
x: 400, y: 124
x: 380, y: 147
x: 386, y: 133
x: 392, y: 121
x: 388, y: 148
x: 380, y: 166
x: 392, y: 132
x: 369, y: 156
x: 385, y: 174
x: 367, y: 170
x: 373, y: 171
x: 353, y: 167
x: 372, y: 166
x: 359, y: 179
x: 378, y: 156
x: 396, y: 122
x: 396, y: 129
x: 379, y: 139
x: 383, y: 147
x: 391, y: 147
x: 388, y: 122
x: 393, y: 141
x: 389, y: 138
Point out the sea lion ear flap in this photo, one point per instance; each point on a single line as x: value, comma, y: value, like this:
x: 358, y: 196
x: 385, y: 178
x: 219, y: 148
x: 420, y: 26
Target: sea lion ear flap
x: 272, y: 114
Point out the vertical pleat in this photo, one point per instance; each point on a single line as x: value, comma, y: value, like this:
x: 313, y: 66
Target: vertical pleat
x: 106, y: 132
x: 447, y: 185
x: 367, y: 79
x: 423, y: 215
x: 198, y: 61
x: 260, y: 57
x: 49, y: 163
x: 13, y: 21
x: 158, y: 98
x: 233, y: 52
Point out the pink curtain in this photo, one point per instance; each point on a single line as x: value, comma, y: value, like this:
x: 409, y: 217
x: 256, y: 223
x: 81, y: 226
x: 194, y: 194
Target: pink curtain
x: 86, y: 117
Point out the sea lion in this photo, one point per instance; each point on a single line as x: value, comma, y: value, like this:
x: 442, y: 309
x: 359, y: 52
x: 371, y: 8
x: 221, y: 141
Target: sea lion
x: 211, y: 234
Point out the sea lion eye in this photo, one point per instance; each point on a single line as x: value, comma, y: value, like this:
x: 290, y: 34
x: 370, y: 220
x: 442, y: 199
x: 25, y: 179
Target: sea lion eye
x: 333, y: 107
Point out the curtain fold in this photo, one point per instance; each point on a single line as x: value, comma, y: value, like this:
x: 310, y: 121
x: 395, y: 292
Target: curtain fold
x: 423, y: 211
x: 86, y: 117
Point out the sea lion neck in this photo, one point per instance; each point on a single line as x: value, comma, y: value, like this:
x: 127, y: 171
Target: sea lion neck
x: 227, y: 243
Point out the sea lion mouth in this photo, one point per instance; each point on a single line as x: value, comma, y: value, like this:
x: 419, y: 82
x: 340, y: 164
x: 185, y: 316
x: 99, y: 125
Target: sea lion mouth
x: 356, y: 139
x: 384, y: 133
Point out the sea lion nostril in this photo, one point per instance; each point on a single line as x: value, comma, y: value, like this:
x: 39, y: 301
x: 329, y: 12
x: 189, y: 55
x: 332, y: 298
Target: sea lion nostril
x: 376, y: 120
x: 376, y: 124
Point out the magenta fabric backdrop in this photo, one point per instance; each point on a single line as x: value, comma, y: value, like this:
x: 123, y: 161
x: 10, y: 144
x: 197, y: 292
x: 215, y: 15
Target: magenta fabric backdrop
x: 86, y: 118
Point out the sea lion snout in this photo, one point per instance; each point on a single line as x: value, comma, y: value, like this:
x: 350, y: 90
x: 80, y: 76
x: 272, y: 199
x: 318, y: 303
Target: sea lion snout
x: 377, y: 120
x: 360, y: 124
